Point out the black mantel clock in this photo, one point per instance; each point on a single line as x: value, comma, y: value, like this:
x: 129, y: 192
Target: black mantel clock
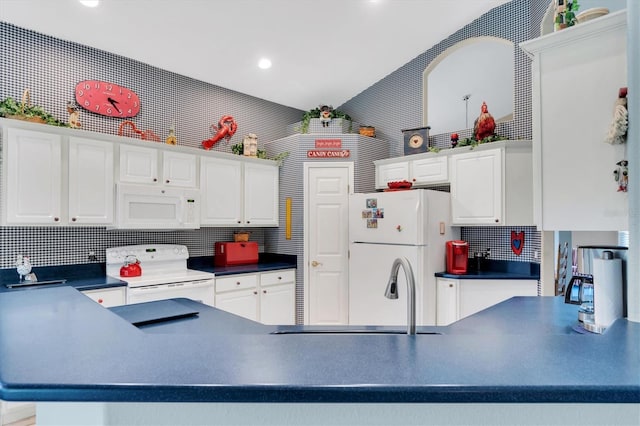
x: 416, y: 140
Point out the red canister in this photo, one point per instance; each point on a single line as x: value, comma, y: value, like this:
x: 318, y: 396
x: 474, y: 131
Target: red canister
x: 457, y: 253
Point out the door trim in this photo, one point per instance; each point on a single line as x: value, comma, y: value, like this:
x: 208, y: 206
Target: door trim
x: 307, y: 166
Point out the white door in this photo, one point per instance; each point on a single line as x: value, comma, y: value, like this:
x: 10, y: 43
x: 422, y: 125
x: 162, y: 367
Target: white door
x: 277, y: 304
x: 261, y: 183
x: 326, y: 290
x: 179, y: 169
x: 221, y: 190
x: 476, y: 187
x: 34, y: 177
x: 90, y: 182
x: 138, y: 164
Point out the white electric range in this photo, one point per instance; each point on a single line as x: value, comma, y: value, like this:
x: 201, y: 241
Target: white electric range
x: 164, y: 274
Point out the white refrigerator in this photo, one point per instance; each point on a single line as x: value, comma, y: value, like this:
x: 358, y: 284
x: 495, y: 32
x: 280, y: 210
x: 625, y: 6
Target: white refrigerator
x: 384, y: 226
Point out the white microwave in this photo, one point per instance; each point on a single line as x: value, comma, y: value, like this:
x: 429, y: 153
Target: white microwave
x: 156, y: 207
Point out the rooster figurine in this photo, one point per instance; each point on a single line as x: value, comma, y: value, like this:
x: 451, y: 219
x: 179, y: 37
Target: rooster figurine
x: 484, y: 125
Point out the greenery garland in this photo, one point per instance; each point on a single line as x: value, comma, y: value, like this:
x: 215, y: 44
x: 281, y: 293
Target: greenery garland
x: 315, y: 113
x: 10, y: 107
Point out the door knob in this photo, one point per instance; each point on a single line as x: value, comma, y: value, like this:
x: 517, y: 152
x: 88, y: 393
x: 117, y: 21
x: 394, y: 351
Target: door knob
x: 315, y: 263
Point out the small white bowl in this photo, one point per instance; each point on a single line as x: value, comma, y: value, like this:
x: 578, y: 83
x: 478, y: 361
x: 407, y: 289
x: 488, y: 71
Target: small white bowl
x: 590, y: 14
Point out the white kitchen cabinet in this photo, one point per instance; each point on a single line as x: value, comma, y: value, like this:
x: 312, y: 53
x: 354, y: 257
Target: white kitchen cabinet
x: 140, y: 164
x: 108, y: 297
x: 447, y: 301
x: 33, y: 191
x: 55, y: 181
x: 423, y: 170
x: 429, y: 170
x: 391, y: 172
x: 576, y: 75
x: 277, y: 297
x: 459, y: 298
x: 476, y: 188
x: 179, y: 169
x: 267, y: 297
x: 261, y: 189
x: 91, y: 188
x: 492, y: 185
x: 237, y: 193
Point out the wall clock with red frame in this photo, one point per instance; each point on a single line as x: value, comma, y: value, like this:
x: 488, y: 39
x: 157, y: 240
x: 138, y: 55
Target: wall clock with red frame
x: 108, y: 99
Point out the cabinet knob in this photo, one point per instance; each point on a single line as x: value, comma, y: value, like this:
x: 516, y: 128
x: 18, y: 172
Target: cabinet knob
x: 248, y: 221
x: 100, y: 300
x: 279, y: 278
x: 414, y: 179
x: 255, y: 292
x: 73, y: 219
x: 264, y: 291
x: 239, y: 222
x: 167, y: 181
x: 56, y: 219
x: 237, y: 282
x: 155, y: 179
x: 450, y: 285
x: 497, y: 220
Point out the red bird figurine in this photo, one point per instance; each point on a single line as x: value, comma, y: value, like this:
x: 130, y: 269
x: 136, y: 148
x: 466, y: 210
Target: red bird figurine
x: 484, y: 125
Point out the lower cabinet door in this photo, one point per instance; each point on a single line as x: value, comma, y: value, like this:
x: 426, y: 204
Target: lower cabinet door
x: 241, y: 302
x: 277, y: 304
x: 447, y: 301
x: 108, y: 297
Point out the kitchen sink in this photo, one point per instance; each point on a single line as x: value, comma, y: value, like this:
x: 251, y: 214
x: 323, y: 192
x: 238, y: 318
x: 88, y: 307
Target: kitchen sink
x: 351, y: 332
x: 34, y: 283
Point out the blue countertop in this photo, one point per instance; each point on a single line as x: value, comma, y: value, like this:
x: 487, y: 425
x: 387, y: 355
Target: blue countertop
x: 86, y: 276
x: 92, y: 276
x: 498, y: 270
x: 266, y: 262
x: 57, y: 345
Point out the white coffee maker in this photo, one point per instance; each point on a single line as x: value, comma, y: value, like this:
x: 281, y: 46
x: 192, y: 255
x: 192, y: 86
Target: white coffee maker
x: 599, y: 288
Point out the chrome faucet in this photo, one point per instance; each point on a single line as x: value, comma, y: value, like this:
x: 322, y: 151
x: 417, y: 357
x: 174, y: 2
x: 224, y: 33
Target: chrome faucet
x: 392, y: 290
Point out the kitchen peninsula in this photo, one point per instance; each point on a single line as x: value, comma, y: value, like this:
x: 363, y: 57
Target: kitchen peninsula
x: 83, y: 363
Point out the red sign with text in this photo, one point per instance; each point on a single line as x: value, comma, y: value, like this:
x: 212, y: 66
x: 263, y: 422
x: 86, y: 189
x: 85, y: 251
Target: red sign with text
x: 318, y: 153
x: 328, y: 143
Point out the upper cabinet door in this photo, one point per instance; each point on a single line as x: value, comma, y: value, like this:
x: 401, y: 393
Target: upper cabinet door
x: 476, y: 188
x: 34, y: 177
x: 430, y: 170
x: 221, y: 191
x: 261, y: 194
x: 391, y: 173
x: 179, y: 169
x: 138, y: 164
x: 91, y: 184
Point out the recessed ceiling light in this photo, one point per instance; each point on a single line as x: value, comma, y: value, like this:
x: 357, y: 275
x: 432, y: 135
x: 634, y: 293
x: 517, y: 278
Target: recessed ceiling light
x: 264, y: 63
x: 90, y: 3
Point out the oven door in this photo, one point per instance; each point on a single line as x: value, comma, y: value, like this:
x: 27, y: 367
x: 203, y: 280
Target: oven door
x: 201, y: 291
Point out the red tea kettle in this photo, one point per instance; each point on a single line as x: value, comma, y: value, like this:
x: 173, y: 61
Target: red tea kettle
x: 131, y: 267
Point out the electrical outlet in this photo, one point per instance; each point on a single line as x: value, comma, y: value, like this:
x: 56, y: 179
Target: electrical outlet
x: 536, y: 254
x: 91, y: 256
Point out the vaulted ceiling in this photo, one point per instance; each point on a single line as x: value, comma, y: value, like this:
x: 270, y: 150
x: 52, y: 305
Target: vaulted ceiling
x: 322, y: 51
